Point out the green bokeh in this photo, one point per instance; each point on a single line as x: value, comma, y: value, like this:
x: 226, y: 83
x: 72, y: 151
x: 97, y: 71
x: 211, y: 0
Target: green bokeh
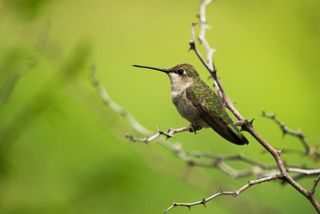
x: 63, y: 151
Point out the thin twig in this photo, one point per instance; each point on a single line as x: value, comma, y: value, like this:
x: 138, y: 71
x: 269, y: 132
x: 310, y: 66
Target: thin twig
x: 202, y: 35
x: 298, y: 134
x: 315, y: 185
x: 213, y: 72
x: 237, y: 157
x: 303, y: 171
x: 159, y: 133
x: 114, y: 106
x: 222, y: 193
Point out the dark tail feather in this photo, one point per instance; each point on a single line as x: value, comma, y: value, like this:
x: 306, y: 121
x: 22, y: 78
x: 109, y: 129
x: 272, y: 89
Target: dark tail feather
x: 242, y: 140
x: 236, y: 138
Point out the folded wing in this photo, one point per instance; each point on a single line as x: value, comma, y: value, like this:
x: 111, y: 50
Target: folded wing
x: 213, y: 112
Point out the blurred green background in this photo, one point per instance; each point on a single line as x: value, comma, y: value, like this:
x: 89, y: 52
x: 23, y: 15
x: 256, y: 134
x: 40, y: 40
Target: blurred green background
x: 63, y: 151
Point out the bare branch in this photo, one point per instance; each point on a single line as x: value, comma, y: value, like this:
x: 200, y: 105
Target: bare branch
x: 207, y: 63
x: 202, y: 35
x: 168, y: 135
x: 298, y: 134
x: 213, y: 72
x: 303, y: 171
x: 222, y: 193
x: 237, y: 157
x: 114, y: 106
x: 284, y: 128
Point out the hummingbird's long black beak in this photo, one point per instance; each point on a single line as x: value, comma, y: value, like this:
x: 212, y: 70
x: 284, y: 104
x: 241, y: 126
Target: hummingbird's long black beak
x: 153, y: 68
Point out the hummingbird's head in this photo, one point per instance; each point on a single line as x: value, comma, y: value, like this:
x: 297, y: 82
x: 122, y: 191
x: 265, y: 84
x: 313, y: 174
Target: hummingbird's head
x: 180, y: 75
x: 184, y: 71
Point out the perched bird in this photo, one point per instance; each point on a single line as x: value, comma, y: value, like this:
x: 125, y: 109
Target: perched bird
x: 197, y: 103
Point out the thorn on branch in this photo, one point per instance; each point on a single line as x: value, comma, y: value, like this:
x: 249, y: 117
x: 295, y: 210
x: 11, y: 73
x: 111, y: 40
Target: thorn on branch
x: 222, y: 193
x: 251, y: 121
x: 236, y: 193
x: 314, y: 187
x: 204, y: 201
x: 191, y: 45
x: 191, y: 162
x: 279, y: 151
x: 247, y: 125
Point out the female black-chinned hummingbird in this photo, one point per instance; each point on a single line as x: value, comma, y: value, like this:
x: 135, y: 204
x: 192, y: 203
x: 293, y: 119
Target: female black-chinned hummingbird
x: 197, y: 103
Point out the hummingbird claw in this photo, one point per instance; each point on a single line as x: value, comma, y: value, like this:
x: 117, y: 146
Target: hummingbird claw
x: 193, y: 128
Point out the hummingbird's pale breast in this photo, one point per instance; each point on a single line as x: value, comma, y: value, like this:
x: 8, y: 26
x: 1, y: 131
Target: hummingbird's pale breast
x: 179, y: 85
x: 186, y: 109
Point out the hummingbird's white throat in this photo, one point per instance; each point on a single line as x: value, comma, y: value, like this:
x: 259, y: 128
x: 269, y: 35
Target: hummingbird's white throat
x: 179, y: 83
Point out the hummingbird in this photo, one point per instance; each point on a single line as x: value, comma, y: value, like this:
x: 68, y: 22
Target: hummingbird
x: 196, y: 102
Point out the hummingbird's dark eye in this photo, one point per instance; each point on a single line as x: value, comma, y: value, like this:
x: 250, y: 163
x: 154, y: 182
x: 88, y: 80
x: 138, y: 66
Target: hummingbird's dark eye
x: 180, y: 71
